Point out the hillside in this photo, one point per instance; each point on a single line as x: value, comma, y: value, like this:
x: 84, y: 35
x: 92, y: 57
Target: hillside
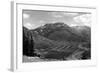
x: 56, y: 30
x: 57, y: 41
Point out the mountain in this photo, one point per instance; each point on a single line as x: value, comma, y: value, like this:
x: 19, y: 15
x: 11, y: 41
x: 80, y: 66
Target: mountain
x: 56, y: 40
x: 54, y: 31
x: 83, y: 31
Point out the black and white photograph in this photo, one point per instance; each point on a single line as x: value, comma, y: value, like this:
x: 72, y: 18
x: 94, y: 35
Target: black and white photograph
x: 55, y: 35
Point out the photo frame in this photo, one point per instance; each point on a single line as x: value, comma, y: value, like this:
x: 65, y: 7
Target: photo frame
x: 40, y: 15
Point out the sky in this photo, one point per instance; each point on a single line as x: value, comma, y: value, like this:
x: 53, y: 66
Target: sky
x: 35, y: 18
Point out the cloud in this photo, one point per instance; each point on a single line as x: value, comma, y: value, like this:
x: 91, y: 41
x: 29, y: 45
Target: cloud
x: 63, y: 14
x: 84, y: 19
x: 26, y: 15
x: 28, y: 25
x: 70, y: 14
x: 41, y: 21
x: 73, y: 25
x: 31, y: 26
x: 56, y: 14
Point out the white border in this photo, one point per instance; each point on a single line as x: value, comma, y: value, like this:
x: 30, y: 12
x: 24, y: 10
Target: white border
x: 17, y: 35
